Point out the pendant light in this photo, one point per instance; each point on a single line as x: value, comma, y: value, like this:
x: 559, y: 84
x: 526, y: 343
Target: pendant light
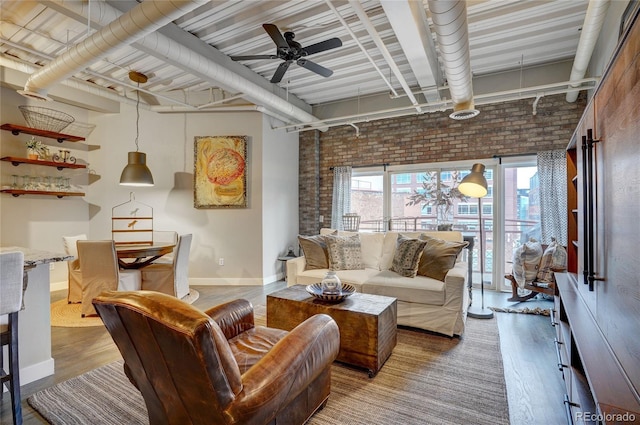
x: 136, y: 173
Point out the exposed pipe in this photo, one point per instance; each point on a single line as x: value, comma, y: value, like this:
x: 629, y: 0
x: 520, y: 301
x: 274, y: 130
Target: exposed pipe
x: 181, y: 56
x: 373, y: 33
x: 593, y: 20
x: 354, y: 37
x: 482, y: 99
x: 143, y: 19
x: 28, y: 68
x: 450, y: 24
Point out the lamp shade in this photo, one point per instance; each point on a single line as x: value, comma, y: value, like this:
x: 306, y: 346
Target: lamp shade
x: 136, y: 173
x: 474, y: 184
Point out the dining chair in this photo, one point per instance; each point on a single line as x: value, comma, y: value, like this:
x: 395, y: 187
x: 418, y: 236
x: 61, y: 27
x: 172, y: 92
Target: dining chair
x: 100, y: 272
x: 11, y: 293
x: 74, y: 292
x: 172, y: 279
x: 165, y: 236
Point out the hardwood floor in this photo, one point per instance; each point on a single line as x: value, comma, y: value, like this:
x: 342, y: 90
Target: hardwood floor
x: 534, y: 384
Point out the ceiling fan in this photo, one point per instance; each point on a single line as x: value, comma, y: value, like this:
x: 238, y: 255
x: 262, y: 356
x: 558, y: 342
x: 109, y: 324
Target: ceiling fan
x: 291, y: 51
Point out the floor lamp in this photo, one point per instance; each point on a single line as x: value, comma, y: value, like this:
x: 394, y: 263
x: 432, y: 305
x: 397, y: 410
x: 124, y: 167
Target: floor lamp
x: 475, y: 185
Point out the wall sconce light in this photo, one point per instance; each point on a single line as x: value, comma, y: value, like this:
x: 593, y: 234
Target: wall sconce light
x: 136, y: 172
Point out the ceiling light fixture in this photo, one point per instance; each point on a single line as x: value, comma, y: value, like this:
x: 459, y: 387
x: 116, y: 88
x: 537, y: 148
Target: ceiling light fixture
x: 136, y: 173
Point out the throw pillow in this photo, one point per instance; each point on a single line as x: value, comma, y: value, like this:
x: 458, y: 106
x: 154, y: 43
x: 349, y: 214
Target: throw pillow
x: 525, y: 262
x: 438, y: 257
x: 315, y: 252
x: 344, y: 252
x: 407, y: 256
x: 553, y: 258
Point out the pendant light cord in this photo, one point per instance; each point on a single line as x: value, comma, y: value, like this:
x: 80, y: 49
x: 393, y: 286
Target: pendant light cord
x: 137, y: 114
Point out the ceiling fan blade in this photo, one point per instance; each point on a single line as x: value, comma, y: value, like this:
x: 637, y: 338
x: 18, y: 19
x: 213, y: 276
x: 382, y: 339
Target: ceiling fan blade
x: 248, y: 58
x: 332, y: 43
x: 314, y: 67
x: 282, y: 68
x: 276, y: 36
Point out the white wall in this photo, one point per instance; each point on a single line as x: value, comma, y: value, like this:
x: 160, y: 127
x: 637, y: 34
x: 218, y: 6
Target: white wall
x: 280, y: 197
x: 39, y: 222
x: 249, y: 239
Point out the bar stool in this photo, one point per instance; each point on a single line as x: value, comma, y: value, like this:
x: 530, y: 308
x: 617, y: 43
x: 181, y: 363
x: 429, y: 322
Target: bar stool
x: 11, y: 291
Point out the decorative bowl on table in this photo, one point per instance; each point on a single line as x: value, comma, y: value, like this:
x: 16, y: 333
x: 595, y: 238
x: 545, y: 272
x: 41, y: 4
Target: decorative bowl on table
x: 316, y: 291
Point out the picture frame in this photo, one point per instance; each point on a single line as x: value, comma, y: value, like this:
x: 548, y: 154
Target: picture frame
x: 220, y: 172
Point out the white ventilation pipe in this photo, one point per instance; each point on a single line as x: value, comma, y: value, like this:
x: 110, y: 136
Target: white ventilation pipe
x: 181, y: 56
x: 593, y: 20
x: 143, y: 19
x: 450, y: 24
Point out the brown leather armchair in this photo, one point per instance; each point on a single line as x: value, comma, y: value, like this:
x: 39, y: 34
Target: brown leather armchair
x: 217, y: 367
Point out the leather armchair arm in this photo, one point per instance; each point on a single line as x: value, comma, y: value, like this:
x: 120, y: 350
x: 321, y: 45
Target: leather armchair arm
x: 233, y: 317
x: 288, y: 368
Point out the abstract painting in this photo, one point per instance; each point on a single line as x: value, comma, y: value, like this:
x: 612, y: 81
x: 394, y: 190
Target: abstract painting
x: 220, y: 175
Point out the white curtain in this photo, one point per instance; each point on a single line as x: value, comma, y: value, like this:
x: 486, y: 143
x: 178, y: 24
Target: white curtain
x: 552, y: 171
x: 341, y: 202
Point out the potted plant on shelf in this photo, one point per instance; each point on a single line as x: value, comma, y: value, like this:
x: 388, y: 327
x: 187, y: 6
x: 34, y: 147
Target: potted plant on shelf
x: 35, y: 148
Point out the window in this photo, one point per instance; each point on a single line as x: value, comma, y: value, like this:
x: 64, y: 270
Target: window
x: 403, y: 178
x: 468, y: 209
x: 367, y: 199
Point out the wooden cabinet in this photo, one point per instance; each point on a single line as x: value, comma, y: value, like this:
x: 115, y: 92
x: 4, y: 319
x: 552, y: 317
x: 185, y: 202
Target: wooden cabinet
x: 597, y: 309
x: 16, y: 161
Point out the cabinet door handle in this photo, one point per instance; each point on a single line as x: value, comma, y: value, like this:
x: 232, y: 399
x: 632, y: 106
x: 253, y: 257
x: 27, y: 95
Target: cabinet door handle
x: 567, y: 408
x: 560, y: 364
x: 552, y: 317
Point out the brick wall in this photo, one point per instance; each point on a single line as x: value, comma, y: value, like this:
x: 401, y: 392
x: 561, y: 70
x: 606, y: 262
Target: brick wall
x: 500, y: 129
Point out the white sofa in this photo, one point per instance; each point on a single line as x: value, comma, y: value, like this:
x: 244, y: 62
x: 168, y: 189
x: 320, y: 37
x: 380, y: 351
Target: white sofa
x: 423, y: 302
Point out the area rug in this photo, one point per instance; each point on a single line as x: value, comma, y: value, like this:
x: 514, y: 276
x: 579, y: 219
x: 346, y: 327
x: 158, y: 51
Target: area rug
x: 68, y: 315
x: 524, y: 310
x: 429, y: 379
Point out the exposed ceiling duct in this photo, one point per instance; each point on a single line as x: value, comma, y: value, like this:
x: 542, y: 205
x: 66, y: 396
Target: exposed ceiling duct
x: 177, y: 53
x: 142, y: 20
x: 593, y: 21
x: 450, y: 24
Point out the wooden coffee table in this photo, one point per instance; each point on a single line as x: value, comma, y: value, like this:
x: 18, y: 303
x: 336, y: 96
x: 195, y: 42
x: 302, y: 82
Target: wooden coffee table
x: 367, y: 323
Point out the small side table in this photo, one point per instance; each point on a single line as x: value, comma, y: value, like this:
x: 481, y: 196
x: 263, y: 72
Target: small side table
x: 284, y: 260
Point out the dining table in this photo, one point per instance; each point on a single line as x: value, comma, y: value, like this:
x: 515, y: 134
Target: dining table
x: 135, y: 256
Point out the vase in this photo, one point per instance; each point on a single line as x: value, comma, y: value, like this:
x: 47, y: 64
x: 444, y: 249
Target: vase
x: 331, y: 284
x: 32, y: 154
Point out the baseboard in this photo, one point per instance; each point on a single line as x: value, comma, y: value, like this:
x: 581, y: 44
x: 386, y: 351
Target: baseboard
x: 37, y: 371
x: 221, y: 281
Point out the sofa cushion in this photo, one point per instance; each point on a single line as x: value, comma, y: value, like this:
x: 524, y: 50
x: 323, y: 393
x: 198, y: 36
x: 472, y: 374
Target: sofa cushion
x: 438, y: 257
x: 344, y: 252
x: 352, y: 277
x: 370, y: 246
x: 419, y: 289
x: 314, y: 249
x: 407, y: 256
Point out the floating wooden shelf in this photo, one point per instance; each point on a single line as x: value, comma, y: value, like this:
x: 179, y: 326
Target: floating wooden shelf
x: 18, y: 192
x: 59, y: 165
x: 60, y: 137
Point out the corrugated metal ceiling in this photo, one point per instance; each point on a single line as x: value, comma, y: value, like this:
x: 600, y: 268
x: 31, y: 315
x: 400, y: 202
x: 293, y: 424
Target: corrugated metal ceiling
x: 503, y: 35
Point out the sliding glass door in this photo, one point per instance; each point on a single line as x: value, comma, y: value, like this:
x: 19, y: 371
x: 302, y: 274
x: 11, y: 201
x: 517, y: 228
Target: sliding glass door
x: 521, y: 211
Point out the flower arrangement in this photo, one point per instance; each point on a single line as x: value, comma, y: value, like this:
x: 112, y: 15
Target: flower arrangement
x: 36, y: 147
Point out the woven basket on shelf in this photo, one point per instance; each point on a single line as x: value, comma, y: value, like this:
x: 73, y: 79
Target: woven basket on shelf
x: 45, y: 118
x: 81, y: 129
